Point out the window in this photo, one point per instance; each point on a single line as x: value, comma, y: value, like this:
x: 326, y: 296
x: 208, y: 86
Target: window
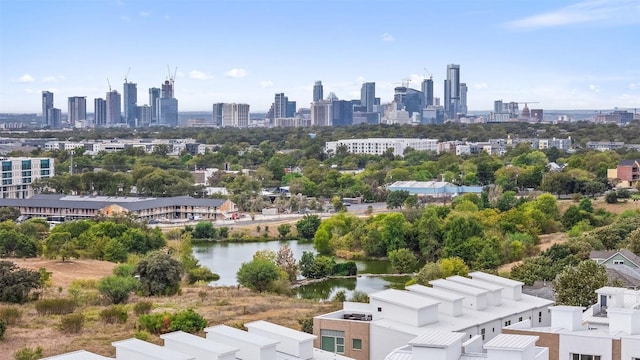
x: 332, y: 340
x: 356, y: 344
x: 520, y: 319
x: 482, y: 333
x: 507, y: 323
x: 6, y: 166
x: 539, y: 316
x: 618, y: 262
x: 26, y: 164
x: 379, y: 309
x: 584, y: 357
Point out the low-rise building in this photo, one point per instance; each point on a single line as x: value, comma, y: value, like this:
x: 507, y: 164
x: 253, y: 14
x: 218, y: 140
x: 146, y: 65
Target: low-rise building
x: 19, y: 174
x: 379, y: 146
x: 435, y: 189
x: 480, y: 306
x: 71, y: 207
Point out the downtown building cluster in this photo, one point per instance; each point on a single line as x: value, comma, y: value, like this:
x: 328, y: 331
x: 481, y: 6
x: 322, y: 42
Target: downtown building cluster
x: 116, y: 110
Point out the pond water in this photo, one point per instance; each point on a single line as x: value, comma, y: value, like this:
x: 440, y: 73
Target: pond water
x: 225, y: 259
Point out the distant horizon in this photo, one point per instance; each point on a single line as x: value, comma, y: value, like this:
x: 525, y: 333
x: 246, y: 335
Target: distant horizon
x: 570, y: 54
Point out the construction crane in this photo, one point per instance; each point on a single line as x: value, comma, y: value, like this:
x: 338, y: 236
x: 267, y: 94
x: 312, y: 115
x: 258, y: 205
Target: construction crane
x: 172, y: 78
x: 405, y: 82
x: 427, y: 72
x: 127, y: 75
x: 109, y: 83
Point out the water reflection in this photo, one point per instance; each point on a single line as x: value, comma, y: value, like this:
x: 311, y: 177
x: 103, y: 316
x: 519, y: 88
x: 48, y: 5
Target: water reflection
x: 327, y: 289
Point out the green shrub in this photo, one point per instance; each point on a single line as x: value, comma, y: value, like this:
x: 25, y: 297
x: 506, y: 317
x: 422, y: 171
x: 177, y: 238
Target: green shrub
x: 117, y: 288
x: 347, y: 268
x: 58, y: 306
x: 359, y: 296
x: 116, y: 314
x: 10, y: 315
x: 188, y: 321
x: 27, y: 353
x: 154, y: 323
x: 142, y: 307
x: 611, y: 197
x: 142, y: 335
x: 124, y: 270
x: 3, y: 328
x: 340, y: 296
x: 306, y: 324
x: 201, y: 273
x: 72, y: 323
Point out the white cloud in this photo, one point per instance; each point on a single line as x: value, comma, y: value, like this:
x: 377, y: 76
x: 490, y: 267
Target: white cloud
x: 634, y: 86
x: 480, y: 86
x: 616, y: 12
x: 26, y: 78
x: 28, y: 91
x: 594, y: 88
x: 236, y: 73
x: 266, y: 83
x: 52, y: 79
x: 199, y: 75
x: 386, y: 37
x: 145, y: 14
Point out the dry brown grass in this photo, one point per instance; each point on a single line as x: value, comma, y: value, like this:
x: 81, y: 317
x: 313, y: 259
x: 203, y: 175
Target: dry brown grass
x: 219, y: 305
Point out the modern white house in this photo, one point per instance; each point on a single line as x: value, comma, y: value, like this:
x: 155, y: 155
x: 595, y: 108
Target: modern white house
x: 608, y: 330
x: 480, y: 306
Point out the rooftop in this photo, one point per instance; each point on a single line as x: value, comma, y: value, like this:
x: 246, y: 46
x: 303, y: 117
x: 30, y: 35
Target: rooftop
x: 403, y: 298
x: 147, y: 348
x: 199, y: 342
x: 513, y: 342
x: 77, y: 355
x: 457, y: 287
x: 244, y: 336
x: 280, y: 330
x: 437, y: 338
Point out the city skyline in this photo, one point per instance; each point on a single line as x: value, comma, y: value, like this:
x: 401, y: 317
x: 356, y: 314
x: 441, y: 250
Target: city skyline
x: 569, y: 55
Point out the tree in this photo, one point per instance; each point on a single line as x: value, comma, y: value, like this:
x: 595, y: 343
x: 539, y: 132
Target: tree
x: 611, y: 197
x: 577, y: 285
x: 284, y: 230
x: 117, y: 288
x: 307, y: 226
x: 16, y: 283
x: 60, y: 244
x: 159, y: 274
x: 9, y: 213
x: 258, y: 274
x: 15, y: 244
x: 403, y: 260
x: 396, y: 199
x: 204, y: 230
x: 287, y: 262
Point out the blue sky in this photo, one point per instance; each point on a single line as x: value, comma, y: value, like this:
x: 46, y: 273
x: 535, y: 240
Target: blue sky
x: 563, y: 54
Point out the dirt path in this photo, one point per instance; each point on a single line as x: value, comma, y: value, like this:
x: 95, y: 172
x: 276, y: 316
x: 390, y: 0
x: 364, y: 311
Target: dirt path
x: 546, y: 241
x: 64, y: 272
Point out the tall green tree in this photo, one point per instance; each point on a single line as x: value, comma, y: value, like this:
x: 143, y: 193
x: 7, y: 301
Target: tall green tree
x: 577, y: 285
x: 258, y: 274
x: 159, y: 274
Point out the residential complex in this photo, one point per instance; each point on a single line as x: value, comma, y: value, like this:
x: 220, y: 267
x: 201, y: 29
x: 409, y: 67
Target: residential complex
x: 480, y: 306
x: 379, y: 146
x: 608, y: 330
x: 626, y: 174
x: 262, y: 341
x: 18, y: 175
x: 72, y: 207
x: 235, y: 115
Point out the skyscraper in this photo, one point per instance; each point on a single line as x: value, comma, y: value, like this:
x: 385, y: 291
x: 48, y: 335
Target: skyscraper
x: 452, y: 91
x: 47, y: 103
x: 154, y: 95
x: 291, y: 108
x: 342, y: 113
x: 114, y: 107
x: 143, y: 114
x: 54, y: 118
x: 130, y: 93
x: 77, y: 110
x: 368, y: 95
x: 280, y: 106
x: 167, y: 112
x: 100, y: 112
x: 167, y: 89
x: 235, y: 115
x: 463, y: 98
x: 321, y: 113
x: 317, y: 91
x: 427, y: 90
x: 217, y: 114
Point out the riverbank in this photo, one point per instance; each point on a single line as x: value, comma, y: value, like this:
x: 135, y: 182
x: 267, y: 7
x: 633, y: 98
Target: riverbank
x: 304, y: 282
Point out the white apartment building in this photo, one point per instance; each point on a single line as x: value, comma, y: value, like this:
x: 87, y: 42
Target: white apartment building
x: 235, y: 115
x: 18, y: 175
x: 262, y: 341
x: 479, y: 306
x: 378, y: 146
x: 608, y: 330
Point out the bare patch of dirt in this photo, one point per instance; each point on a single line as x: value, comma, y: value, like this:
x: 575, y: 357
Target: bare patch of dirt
x: 546, y: 241
x: 64, y: 272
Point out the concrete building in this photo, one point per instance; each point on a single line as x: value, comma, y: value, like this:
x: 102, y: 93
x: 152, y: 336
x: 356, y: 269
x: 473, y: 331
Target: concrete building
x: 217, y: 114
x: 341, y: 113
x: 77, y: 110
x: 317, y: 91
x: 463, y: 98
x: 628, y: 172
x: 167, y: 112
x: 452, y: 91
x: 427, y: 91
x: 608, y: 330
x: 378, y: 146
x: 47, y: 103
x: 72, y: 207
x: 291, y: 122
x: 143, y: 115
x: 280, y: 106
x: 235, y: 115
x: 130, y: 94
x: 435, y: 189
x: 54, y: 117
x: 321, y: 113
x: 18, y: 175
x: 114, y: 116
x: 480, y: 306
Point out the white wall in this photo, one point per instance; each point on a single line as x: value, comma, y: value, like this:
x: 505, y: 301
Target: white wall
x: 382, y: 341
x: 630, y: 348
x: 587, y: 345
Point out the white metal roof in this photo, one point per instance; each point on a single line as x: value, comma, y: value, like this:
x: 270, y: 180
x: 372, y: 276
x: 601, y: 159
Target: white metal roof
x: 244, y: 336
x: 499, y: 280
x: 475, y: 283
x: 421, y: 184
x: 437, y: 338
x: 280, y: 330
x: 434, y: 293
x: 149, y: 349
x: 403, y: 298
x: 457, y: 287
x: 200, y: 342
x: 78, y: 355
x: 511, y: 342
